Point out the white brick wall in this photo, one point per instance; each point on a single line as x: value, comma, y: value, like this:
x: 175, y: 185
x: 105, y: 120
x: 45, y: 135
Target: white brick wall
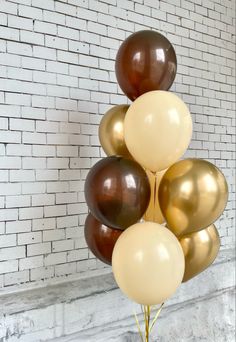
x: 57, y: 79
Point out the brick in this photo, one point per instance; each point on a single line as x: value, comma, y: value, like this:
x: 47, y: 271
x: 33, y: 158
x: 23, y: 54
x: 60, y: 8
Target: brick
x: 41, y: 273
x: 55, y: 258
x: 39, y: 248
x: 68, y: 221
x: 43, y: 101
x: 44, y: 224
x: 46, y: 175
x: 18, y: 227
x: 56, y: 42
x: 63, y: 245
x: 33, y: 163
x: 55, y: 187
x: 8, y: 266
x: 21, y: 125
x: 65, y: 269
x: 16, y: 201
x: 30, y: 213
x: 28, y: 238
x: 68, y: 57
x: 12, y: 253
x: 55, y: 210
x: 8, y: 214
x: 54, y: 17
x: 33, y: 113
x: 16, y: 278
x: 57, y: 163
x: 31, y: 37
x: 22, y: 176
x: 18, y: 22
x: 69, y: 33
x: 19, y: 48
x: 76, y: 255
x: 53, y: 235
x: 62, y: 198
x: 43, y: 27
x: 10, y: 163
x: 44, y: 151
x: 43, y: 199
x: 8, y: 240
x: 31, y: 262
x: 33, y: 188
x: 45, y: 53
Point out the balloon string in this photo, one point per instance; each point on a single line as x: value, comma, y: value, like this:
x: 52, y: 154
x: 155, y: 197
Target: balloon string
x: 146, y: 310
x: 156, y: 317
x: 139, y: 328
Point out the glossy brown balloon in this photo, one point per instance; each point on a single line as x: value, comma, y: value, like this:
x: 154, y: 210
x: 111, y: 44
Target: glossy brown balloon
x: 100, y: 239
x: 200, y: 250
x: 117, y: 192
x: 145, y: 61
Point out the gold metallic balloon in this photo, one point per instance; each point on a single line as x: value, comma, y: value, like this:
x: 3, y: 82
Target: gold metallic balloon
x: 192, y: 195
x: 153, y: 212
x: 200, y: 250
x: 111, y: 132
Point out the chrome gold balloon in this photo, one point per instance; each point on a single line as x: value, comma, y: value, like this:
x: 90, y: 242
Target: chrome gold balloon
x: 200, y: 250
x: 192, y: 195
x: 111, y: 132
x: 153, y: 212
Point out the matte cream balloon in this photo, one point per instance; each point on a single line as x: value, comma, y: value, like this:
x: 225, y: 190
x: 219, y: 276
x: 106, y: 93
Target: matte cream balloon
x: 158, y: 129
x: 111, y: 132
x: 153, y: 212
x: 200, y: 250
x: 148, y: 263
x: 192, y: 195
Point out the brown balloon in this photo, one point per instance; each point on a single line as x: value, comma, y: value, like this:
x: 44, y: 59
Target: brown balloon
x: 100, y: 238
x: 117, y: 192
x: 200, y: 250
x: 145, y: 61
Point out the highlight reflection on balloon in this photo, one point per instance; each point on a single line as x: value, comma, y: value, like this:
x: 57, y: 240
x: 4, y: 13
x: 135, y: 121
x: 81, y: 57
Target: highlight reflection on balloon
x: 117, y: 192
x: 145, y: 61
x: 148, y: 263
x: 100, y: 238
x: 200, y: 250
x: 111, y: 132
x: 192, y: 195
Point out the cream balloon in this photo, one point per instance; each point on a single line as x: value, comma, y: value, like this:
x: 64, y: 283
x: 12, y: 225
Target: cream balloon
x: 148, y: 263
x: 157, y: 129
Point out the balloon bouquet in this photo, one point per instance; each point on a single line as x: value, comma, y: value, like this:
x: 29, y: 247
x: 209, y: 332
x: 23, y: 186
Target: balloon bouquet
x: 151, y: 216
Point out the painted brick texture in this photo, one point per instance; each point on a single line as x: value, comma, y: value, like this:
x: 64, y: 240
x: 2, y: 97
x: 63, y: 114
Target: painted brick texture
x: 57, y: 80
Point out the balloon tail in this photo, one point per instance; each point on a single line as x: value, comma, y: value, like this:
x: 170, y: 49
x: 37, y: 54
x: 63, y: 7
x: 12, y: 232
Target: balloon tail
x: 156, y: 317
x: 155, y: 195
